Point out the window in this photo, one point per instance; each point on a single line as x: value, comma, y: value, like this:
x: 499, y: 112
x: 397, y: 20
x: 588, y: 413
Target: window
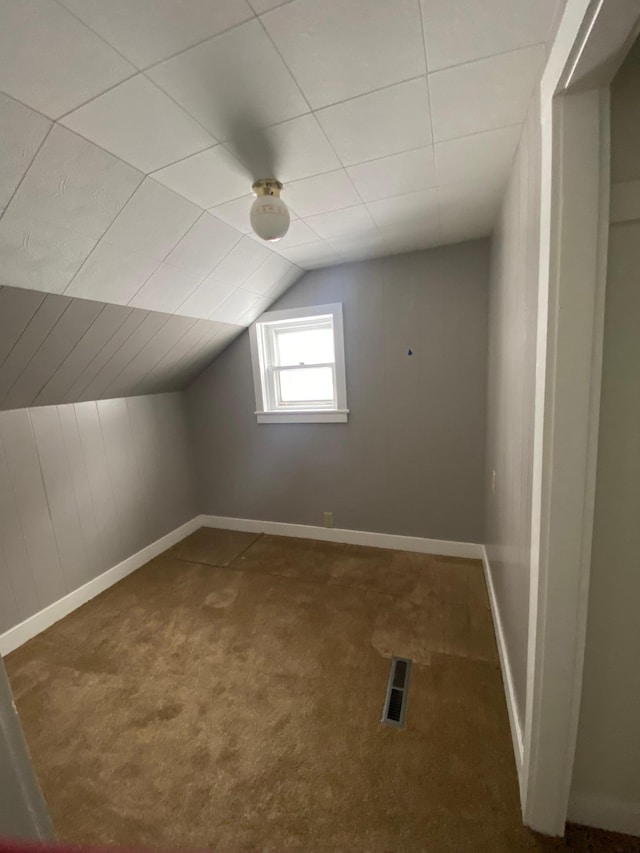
x: 298, y: 366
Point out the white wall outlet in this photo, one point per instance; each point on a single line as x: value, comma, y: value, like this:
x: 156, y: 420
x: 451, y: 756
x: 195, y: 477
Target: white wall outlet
x: 493, y: 482
x: 328, y: 519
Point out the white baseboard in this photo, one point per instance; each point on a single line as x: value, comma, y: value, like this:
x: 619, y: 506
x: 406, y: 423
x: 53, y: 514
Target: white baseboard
x: 19, y: 634
x: 613, y: 815
x: 441, y: 547
x: 507, y: 676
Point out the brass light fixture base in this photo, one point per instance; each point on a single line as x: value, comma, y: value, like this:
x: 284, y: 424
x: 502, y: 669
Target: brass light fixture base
x: 267, y: 186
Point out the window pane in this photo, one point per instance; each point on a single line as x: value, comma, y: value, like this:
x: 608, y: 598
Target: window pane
x: 304, y: 346
x: 306, y: 386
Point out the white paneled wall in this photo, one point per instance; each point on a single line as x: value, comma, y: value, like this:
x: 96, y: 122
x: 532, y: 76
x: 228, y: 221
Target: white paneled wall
x: 513, y: 299
x: 606, y: 779
x: 82, y: 487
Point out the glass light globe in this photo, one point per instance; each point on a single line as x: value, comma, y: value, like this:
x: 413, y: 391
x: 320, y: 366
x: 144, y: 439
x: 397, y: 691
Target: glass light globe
x: 269, y: 217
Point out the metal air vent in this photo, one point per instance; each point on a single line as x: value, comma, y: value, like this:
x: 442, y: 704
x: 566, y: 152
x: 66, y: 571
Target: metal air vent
x: 395, y: 703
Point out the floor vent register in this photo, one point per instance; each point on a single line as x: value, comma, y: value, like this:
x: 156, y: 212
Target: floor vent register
x: 395, y: 703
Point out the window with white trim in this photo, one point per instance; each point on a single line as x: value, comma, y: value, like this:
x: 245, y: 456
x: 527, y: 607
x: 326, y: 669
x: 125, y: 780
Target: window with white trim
x: 298, y: 365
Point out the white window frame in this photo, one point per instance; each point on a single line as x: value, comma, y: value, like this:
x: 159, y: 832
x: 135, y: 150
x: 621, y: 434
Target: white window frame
x: 261, y: 336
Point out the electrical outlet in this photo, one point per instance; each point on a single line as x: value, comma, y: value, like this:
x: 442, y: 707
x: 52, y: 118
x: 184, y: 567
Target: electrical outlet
x: 328, y: 519
x: 493, y: 482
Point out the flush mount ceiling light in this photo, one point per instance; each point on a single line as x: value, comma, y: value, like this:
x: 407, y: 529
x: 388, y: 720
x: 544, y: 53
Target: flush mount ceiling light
x: 269, y: 215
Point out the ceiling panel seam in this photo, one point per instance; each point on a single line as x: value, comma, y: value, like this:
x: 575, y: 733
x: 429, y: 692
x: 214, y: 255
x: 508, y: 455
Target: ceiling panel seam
x: 43, y: 297
x: 136, y: 353
x: 144, y: 316
x: 148, y: 344
x: 186, y: 112
x: 67, y: 392
x: 76, y: 314
x: 198, y: 43
x: 36, y: 351
x: 71, y: 352
x: 20, y: 182
x: 97, y: 35
x: 160, y: 263
x: 192, y: 357
x: 426, y: 65
x: 206, y: 276
x: 93, y: 98
x: 166, y: 356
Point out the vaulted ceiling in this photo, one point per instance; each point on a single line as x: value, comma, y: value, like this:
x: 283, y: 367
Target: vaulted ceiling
x: 392, y: 123
x: 59, y: 349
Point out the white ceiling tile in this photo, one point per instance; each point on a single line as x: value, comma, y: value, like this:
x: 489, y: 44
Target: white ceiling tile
x: 398, y: 174
x: 409, y: 221
x: 40, y: 255
x: 337, y: 50
x: 21, y: 133
x: 321, y: 193
x: 260, y: 6
x: 168, y: 287
x: 468, y: 225
x: 312, y: 255
x: 146, y: 31
x: 469, y: 209
x: 75, y: 184
x: 208, y: 178
x: 301, y: 149
x: 466, y: 30
x: 245, y: 257
x: 298, y: 234
x: 484, y: 95
x: 52, y: 62
x: 158, y: 245
x: 112, y: 273
x: 411, y: 211
x: 381, y: 123
x: 204, y: 245
x: 238, y: 73
x: 349, y: 221
x: 236, y: 212
x: 235, y: 306
x: 255, y: 311
x: 268, y: 275
x: 205, y: 298
x: 294, y: 275
x: 413, y: 240
x: 153, y: 221
x: 478, y: 156
x: 470, y: 194
x: 358, y: 248
x: 140, y: 124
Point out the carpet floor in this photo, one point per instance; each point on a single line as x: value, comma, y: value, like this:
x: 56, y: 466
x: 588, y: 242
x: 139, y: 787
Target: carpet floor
x: 227, y: 696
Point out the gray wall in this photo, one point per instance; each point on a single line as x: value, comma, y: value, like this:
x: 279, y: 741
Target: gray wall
x: 410, y: 460
x: 82, y: 487
x: 607, y: 767
x: 510, y: 397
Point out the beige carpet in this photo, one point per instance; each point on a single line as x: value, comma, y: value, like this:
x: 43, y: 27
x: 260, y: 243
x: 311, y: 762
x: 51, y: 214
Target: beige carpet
x: 228, y: 696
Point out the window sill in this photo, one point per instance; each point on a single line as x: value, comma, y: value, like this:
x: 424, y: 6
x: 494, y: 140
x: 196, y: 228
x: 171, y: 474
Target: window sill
x: 332, y: 416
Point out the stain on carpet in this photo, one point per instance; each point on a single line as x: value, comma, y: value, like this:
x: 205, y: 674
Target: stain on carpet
x: 237, y: 708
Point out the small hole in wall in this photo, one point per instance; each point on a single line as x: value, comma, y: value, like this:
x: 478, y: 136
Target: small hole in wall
x: 409, y: 352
